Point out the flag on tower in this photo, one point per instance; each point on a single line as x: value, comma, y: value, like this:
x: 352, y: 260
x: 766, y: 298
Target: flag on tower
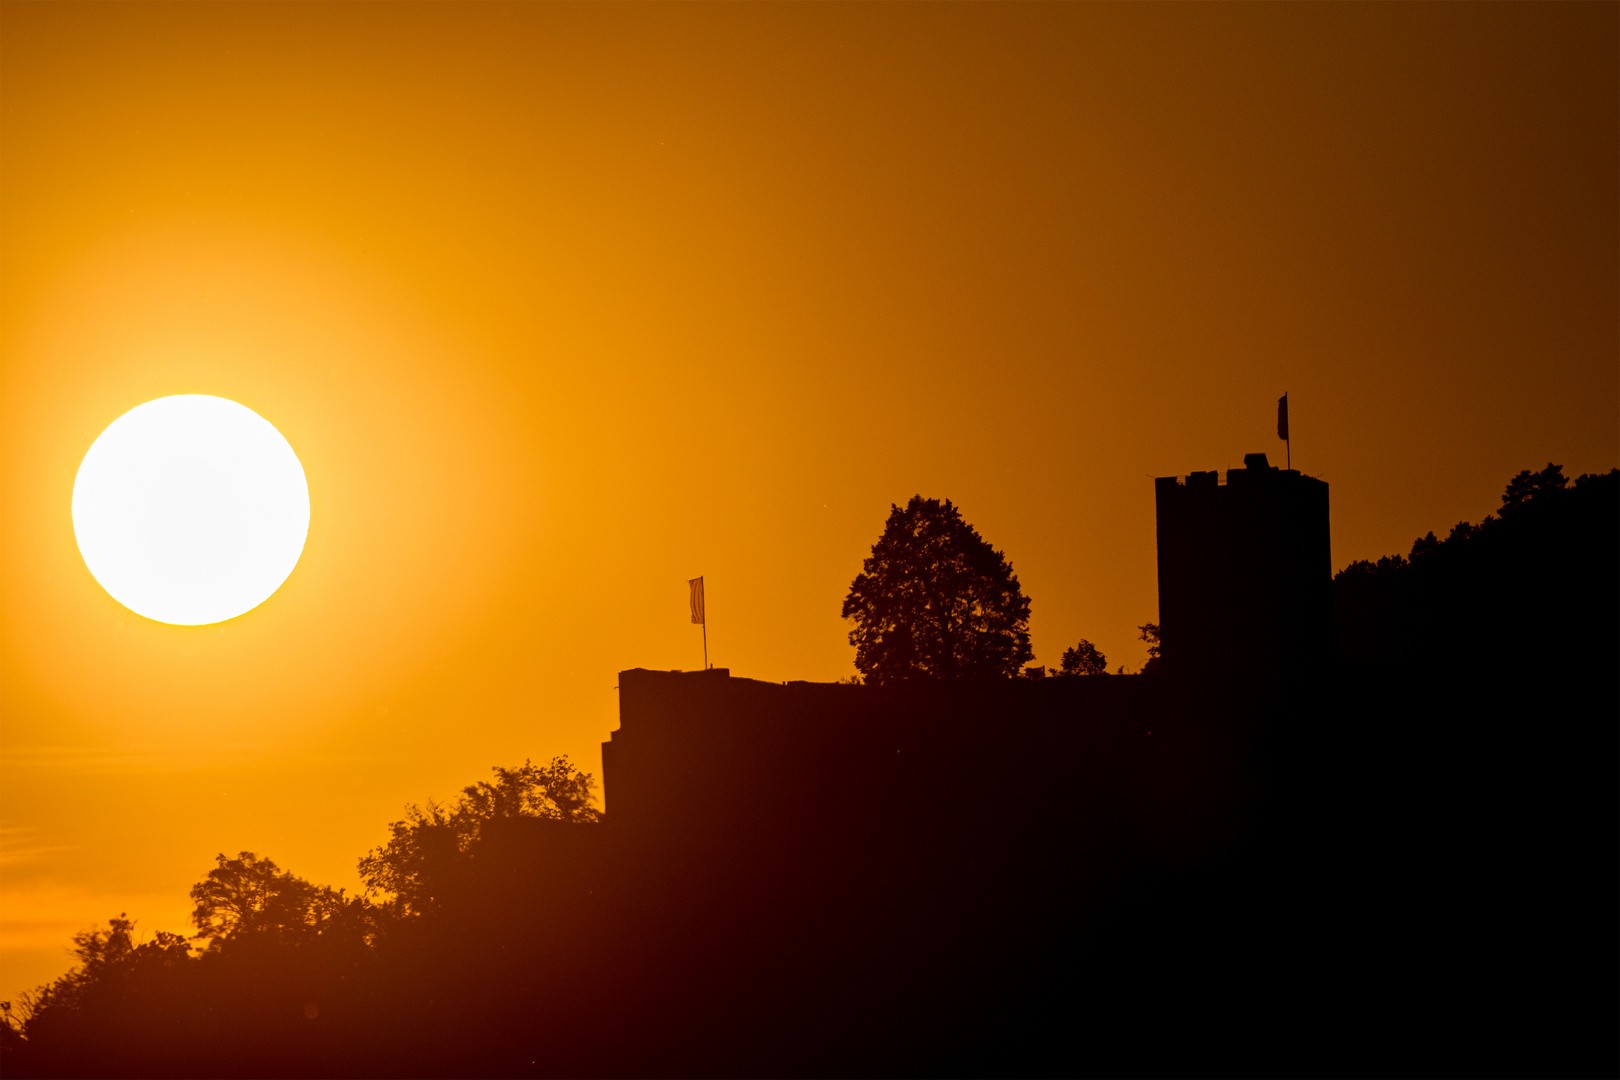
x: 1282, y: 418
x: 696, y: 585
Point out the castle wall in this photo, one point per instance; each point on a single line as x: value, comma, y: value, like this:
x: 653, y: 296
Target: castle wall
x: 1040, y: 774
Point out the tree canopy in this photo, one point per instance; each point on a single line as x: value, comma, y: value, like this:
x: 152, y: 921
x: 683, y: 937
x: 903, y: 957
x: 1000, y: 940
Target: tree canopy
x: 1084, y: 659
x: 935, y: 601
x: 252, y: 896
x: 429, y: 844
x: 277, y: 957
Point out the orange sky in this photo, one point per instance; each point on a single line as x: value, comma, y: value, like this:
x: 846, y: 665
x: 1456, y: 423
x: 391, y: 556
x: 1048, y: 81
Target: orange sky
x: 561, y: 305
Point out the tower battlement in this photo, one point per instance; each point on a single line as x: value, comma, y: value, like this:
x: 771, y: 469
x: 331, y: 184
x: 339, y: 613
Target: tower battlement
x: 1245, y: 571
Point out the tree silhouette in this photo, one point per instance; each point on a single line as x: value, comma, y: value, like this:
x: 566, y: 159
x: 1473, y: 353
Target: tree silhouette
x: 935, y: 601
x: 1084, y: 659
x: 116, y: 978
x: 12, y: 1043
x: 1532, y: 486
x: 428, y: 849
x: 1149, y: 632
x: 252, y: 896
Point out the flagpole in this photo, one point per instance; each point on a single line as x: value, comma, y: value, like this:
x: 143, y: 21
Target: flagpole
x: 705, y: 633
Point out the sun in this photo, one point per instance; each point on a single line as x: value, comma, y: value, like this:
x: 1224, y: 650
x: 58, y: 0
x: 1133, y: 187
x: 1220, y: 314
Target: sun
x: 191, y: 509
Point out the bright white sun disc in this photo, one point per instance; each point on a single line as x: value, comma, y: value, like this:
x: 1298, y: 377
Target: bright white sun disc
x: 191, y: 509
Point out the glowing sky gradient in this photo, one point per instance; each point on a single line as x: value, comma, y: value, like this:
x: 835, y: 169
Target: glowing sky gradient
x: 564, y: 305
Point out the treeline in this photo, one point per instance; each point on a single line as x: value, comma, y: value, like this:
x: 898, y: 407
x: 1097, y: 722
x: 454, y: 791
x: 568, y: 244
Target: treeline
x: 1473, y: 731
x: 284, y: 977
x: 1530, y: 588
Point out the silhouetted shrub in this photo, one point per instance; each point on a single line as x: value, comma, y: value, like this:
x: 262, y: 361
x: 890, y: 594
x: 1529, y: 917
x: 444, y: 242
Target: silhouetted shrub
x: 1083, y: 659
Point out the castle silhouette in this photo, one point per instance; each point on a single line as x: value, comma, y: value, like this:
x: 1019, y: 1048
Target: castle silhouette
x: 1245, y: 572
x: 959, y: 837
x: 1352, y: 825
x: 1258, y: 859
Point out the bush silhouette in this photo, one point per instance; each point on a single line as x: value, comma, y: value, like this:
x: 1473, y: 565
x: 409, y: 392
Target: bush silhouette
x: 1083, y: 659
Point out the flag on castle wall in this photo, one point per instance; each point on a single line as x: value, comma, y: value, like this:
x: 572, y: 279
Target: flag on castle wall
x: 1282, y: 418
x: 696, y: 585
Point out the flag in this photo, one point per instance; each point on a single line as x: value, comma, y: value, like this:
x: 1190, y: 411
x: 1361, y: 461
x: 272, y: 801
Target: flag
x: 696, y: 585
x: 1282, y: 418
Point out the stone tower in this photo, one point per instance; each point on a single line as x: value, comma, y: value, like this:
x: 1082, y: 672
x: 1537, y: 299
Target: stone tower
x: 1245, y: 572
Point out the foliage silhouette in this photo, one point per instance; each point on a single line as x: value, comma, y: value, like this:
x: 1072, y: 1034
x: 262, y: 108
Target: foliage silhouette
x: 1149, y: 632
x: 104, y: 956
x: 935, y: 601
x: 120, y: 988
x: 1083, y: 659
x: 427, y: 851
x: 296, y: 979
x: 1538, y: 487
x: 1533, y: 574
x: 249, y: 896
x: 1478, y: 688
x: 12, y: 1043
